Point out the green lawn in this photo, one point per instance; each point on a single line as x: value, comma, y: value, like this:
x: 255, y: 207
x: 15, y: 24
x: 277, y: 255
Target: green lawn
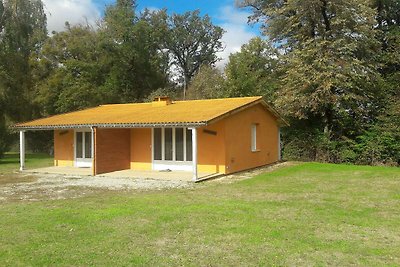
x: 10, y: 162
x: 307, y: 214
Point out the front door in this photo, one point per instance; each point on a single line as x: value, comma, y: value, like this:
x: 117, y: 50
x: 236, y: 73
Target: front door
x: 83, y: 149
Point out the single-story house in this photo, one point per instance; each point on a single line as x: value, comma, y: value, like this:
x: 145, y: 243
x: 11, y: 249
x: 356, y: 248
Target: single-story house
x: 215, y: 136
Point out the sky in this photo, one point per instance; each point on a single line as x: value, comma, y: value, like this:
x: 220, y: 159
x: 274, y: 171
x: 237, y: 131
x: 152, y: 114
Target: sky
x: 223, y: 13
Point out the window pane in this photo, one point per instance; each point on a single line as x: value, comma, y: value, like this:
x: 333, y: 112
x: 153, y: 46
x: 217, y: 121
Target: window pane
x: 188, y: 145
x: 179, y: 144
x: 157, y: 144
x: 168, y: 143
x: 254, y: 137
x: 79, y: 152
x: 88, y: 145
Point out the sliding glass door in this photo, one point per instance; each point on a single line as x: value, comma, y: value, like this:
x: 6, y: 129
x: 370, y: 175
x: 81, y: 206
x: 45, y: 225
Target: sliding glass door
x: 172, y: 148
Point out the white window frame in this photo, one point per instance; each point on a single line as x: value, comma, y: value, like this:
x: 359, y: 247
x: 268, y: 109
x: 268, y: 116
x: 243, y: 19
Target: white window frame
x: 254, y: 147
x: 83, y: 162
x: 173, y: 164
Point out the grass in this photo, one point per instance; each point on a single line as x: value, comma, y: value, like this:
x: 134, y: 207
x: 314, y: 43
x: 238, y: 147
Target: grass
x: 308, y: 214
x: 10, y: 161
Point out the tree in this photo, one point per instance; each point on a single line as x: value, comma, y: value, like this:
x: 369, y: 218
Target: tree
x: 117, y: 63
x: 380, y: 142
x: 330, y: 69
x: 136, y: 66
x: 22, y: 32
x: 253, y: 70
x: 208, y: 83
x: 70, y: 71
x: 189, y: 40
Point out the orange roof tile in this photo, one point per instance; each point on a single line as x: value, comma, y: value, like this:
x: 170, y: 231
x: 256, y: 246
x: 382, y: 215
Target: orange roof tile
x: 178, y: 113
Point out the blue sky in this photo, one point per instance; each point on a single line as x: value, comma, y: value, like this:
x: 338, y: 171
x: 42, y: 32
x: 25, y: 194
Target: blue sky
x: 223, y: 13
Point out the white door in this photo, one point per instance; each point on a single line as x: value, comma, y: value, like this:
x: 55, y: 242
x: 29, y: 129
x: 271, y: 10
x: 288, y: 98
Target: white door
x: 83, y: 149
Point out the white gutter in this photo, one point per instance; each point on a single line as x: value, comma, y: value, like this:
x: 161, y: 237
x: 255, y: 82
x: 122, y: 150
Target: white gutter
x: 111, y: 125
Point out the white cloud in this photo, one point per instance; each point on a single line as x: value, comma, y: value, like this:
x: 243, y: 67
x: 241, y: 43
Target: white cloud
x: 237, y: 32
x: 151, y: 9
x: 73, y: 11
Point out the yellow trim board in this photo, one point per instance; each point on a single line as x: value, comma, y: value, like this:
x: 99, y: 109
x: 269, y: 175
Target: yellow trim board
x: 211, y: 168
x: 63, y: 163
x: 141, y: 166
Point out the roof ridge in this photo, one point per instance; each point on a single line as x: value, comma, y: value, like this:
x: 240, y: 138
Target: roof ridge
x: 220, y: 99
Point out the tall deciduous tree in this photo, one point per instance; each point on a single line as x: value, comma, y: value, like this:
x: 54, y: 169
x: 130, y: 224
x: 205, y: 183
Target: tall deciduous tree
x: 190, y: 41
x: 22, y: 32
x: 253, y: 70
x: 117, y: 63
x: 70, y: 71
x: 329, y: 49
x: 208, y: 83
x: 137, y: 67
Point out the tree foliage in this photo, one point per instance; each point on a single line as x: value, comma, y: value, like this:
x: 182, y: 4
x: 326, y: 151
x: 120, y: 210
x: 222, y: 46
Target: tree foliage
x: 117, y: 63
x: 338, y: 60
x: 208, y: 83
x: 189, y: 40
x: 22, y: 32
x: 253, y: 70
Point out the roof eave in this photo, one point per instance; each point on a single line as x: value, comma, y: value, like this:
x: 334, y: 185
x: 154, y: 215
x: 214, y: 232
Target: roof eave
x: 281, y: 121
x: 109, y: 125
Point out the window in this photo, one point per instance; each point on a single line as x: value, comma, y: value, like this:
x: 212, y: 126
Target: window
x: 254, y: 147
x: 189, y: 150
x: 157, y: 144
x: 172, y: 144
x: 79, y: 142
x: 168, y: 144
x: 179, y: 155
x: 88, y: 145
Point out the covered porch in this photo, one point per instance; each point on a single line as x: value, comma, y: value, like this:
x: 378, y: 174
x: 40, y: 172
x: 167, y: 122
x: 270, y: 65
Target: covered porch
x: 108, y: 151
x: 129, y: 173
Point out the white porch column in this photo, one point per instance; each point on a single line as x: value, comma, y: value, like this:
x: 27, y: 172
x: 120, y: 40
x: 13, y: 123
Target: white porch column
x: 194, y: 152
x: 92, y: 142
x: 22, y: 150
x: 92, y: 151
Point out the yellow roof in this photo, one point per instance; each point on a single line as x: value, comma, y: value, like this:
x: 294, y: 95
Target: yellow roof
x: 178, y: 113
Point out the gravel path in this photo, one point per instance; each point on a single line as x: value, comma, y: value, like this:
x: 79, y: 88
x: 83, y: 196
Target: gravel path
x: 35, y: 187
x: 53, y: 186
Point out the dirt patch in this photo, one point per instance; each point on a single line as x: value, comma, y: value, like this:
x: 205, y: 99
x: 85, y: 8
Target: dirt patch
x: 15, y: 178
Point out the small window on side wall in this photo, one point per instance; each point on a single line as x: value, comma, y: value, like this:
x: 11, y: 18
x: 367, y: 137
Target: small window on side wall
x: 254, y: 147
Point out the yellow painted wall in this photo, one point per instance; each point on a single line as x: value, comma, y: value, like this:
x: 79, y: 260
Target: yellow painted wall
x: 211, y: 148
x: 63, y: 148
x: 141, y: 149
x: 224, y: 146
x: 238, y: 139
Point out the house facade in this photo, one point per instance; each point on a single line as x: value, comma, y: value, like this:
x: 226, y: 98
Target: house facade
x: 211, y: 136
